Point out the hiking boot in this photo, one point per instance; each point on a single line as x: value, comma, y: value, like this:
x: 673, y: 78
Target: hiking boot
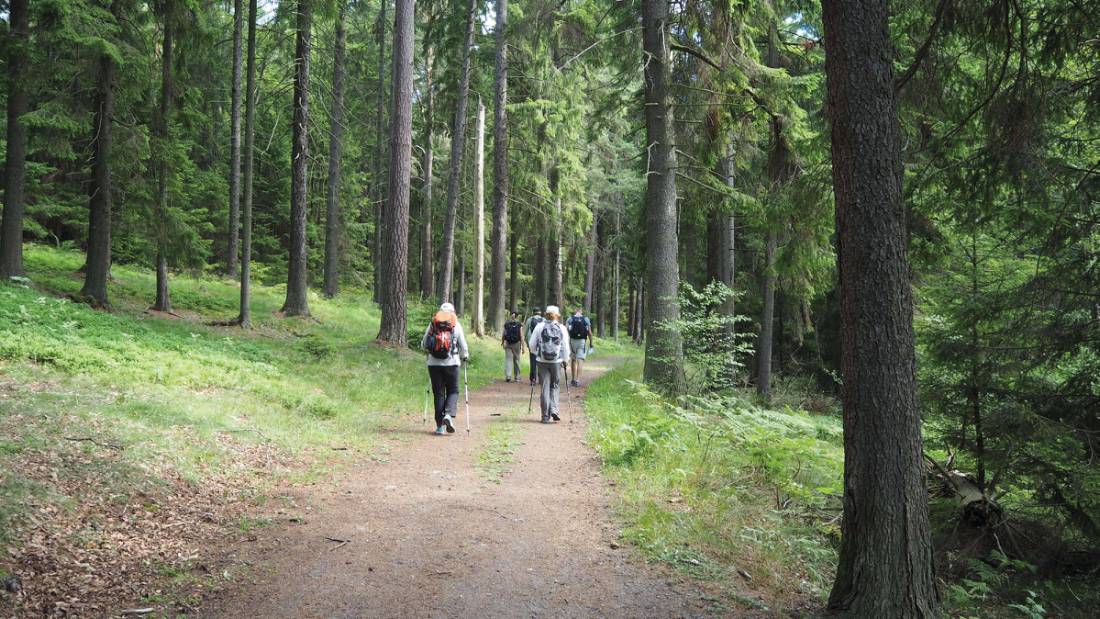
x: 507, y: 380
x: 449, y: 422
x: 532, y: 381
x: 545, y: 419
x: 575, y: 383
x: 439, y: 430
x: 555, y: 417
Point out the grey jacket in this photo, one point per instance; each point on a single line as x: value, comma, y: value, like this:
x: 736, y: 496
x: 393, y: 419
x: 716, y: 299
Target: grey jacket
x: 460, y: 351
x: 535, y: 342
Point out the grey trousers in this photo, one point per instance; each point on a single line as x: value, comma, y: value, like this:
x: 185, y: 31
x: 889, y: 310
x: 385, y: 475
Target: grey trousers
x: 512, y: 353
x: 550, y: 377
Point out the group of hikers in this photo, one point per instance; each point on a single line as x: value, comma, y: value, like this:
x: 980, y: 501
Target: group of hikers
x: 553, y: 347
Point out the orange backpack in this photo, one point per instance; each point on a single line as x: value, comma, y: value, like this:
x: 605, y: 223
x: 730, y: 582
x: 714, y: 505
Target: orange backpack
x: 441, y: 334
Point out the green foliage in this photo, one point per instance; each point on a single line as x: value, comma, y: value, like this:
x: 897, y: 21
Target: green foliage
x: 719, y: 484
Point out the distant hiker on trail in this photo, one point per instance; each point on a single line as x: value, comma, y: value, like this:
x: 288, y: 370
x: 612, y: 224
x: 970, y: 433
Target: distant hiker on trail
x: 548, y: 343
x: 528, y: 329
x: 446, y: 345
x: 580, y: 342
x: 511, y: 340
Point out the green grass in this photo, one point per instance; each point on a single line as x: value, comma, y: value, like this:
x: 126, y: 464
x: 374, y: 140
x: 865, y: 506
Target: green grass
x: 724, y: 488
x: 500, y: 448
x: 183, y: 396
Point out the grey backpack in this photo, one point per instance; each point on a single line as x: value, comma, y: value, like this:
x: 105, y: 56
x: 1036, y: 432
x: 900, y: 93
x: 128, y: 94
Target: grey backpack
x: 550, y: 342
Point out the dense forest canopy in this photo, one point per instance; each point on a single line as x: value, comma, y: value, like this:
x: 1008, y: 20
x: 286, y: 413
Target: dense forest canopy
x: 667, y: 166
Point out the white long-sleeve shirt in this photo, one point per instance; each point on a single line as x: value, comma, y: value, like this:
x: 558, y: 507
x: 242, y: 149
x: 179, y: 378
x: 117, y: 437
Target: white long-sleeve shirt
x: 535, y: 342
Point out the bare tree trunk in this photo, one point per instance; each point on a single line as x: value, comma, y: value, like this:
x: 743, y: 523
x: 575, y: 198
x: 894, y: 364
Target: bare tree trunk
x: 664, y: 350
x: 479, y: 213
x: 460, y: 297
x: 163, y: 302
x: 15, y: 167
x: 235, y: 144
x: 500, y: 234
x: 335, y: 153
x: 616, y: 292
x: 767, y: 320
x: 553, y: 253
x: 245, y: 318
x: 378, y: 258
x: 885, y: 566
x: 427, y: 256
x: 540, y: 272
x: 590, y: 263
x: 513, y: 265
x: 297, y: 287
x: 458, y: 143
x: 394, y: 328
x: 98, y: 263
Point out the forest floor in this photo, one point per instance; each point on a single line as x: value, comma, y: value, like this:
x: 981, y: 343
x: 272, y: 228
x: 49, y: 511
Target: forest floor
x: 510, y: 520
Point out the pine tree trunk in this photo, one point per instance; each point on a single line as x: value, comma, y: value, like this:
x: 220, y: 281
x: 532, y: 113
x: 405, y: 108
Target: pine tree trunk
x: 540, y: 272
x: 163, y: 302
x: 98, y: 263
x: 885, y: 565
x: 616, y: 292
x: 479, y: 213
x: 427, y: 256
x: 767, y: 320
x: 513, y: 265
x: 379, y: 255
x: 590, y: 262
x: 245, y: 318
x: 664, y: 350
x: 15, y: 167
x: 553, y: 250
x: 235, y: 144
x: 394, y: 329
x: 500, y: 236
x: 297, y: 287
x: 460, y: 296
x: 458, y: 143
x: 335, y: 153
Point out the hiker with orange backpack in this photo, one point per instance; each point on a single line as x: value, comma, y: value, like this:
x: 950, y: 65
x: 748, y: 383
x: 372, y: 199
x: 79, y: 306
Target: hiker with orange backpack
x: 445, y: 343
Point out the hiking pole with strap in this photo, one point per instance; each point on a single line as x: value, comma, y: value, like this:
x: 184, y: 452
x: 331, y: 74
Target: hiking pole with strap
x: 531, y: 400
x: 466, y: 381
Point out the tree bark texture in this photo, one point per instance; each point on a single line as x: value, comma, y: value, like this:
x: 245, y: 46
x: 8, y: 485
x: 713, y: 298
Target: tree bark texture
x: 97, y: 268
x: 500, y: 234
x: 15, y: 166
x: 232, y: 249
x: 394, y: 329
x: 163, y: 302
x: 427, y: 256
x: 590, y: 261
x: 885, y: 565
x: 335, y: 153
x: 664, y: 348
x: 553, y: 249
x: 245, y: 318
x: 297, y: 287
x: 458, y: 143
x: 379, y: 256
x: 479, y: 224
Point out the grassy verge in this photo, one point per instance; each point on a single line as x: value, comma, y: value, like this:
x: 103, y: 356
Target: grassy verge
x: 121, y: 414
x: 497, y: 456
x: 741, y: 496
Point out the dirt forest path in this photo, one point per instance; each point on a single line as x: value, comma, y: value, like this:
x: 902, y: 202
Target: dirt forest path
x: 432, y: 536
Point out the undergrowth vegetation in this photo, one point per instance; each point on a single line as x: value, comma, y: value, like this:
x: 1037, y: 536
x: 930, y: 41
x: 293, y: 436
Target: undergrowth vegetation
x: 723, y: 489
x: 127, y: 401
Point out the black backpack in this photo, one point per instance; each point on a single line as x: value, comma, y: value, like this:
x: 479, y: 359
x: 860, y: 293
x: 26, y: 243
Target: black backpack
x: 578, y: 328
x: 513, y: 331
x: 550, y: 342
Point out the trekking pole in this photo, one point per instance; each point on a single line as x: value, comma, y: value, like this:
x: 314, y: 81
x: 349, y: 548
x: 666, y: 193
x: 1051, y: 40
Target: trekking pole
x: 466, y: 381
x: 531, y: 400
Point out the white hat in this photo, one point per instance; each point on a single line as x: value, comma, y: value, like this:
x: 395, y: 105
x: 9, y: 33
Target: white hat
x: 553, y: 309
x: 446, y: 307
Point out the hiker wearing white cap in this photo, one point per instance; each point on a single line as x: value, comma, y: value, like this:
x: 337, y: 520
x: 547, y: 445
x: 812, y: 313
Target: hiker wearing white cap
x: 445, y: 343
x: 551, y: 349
